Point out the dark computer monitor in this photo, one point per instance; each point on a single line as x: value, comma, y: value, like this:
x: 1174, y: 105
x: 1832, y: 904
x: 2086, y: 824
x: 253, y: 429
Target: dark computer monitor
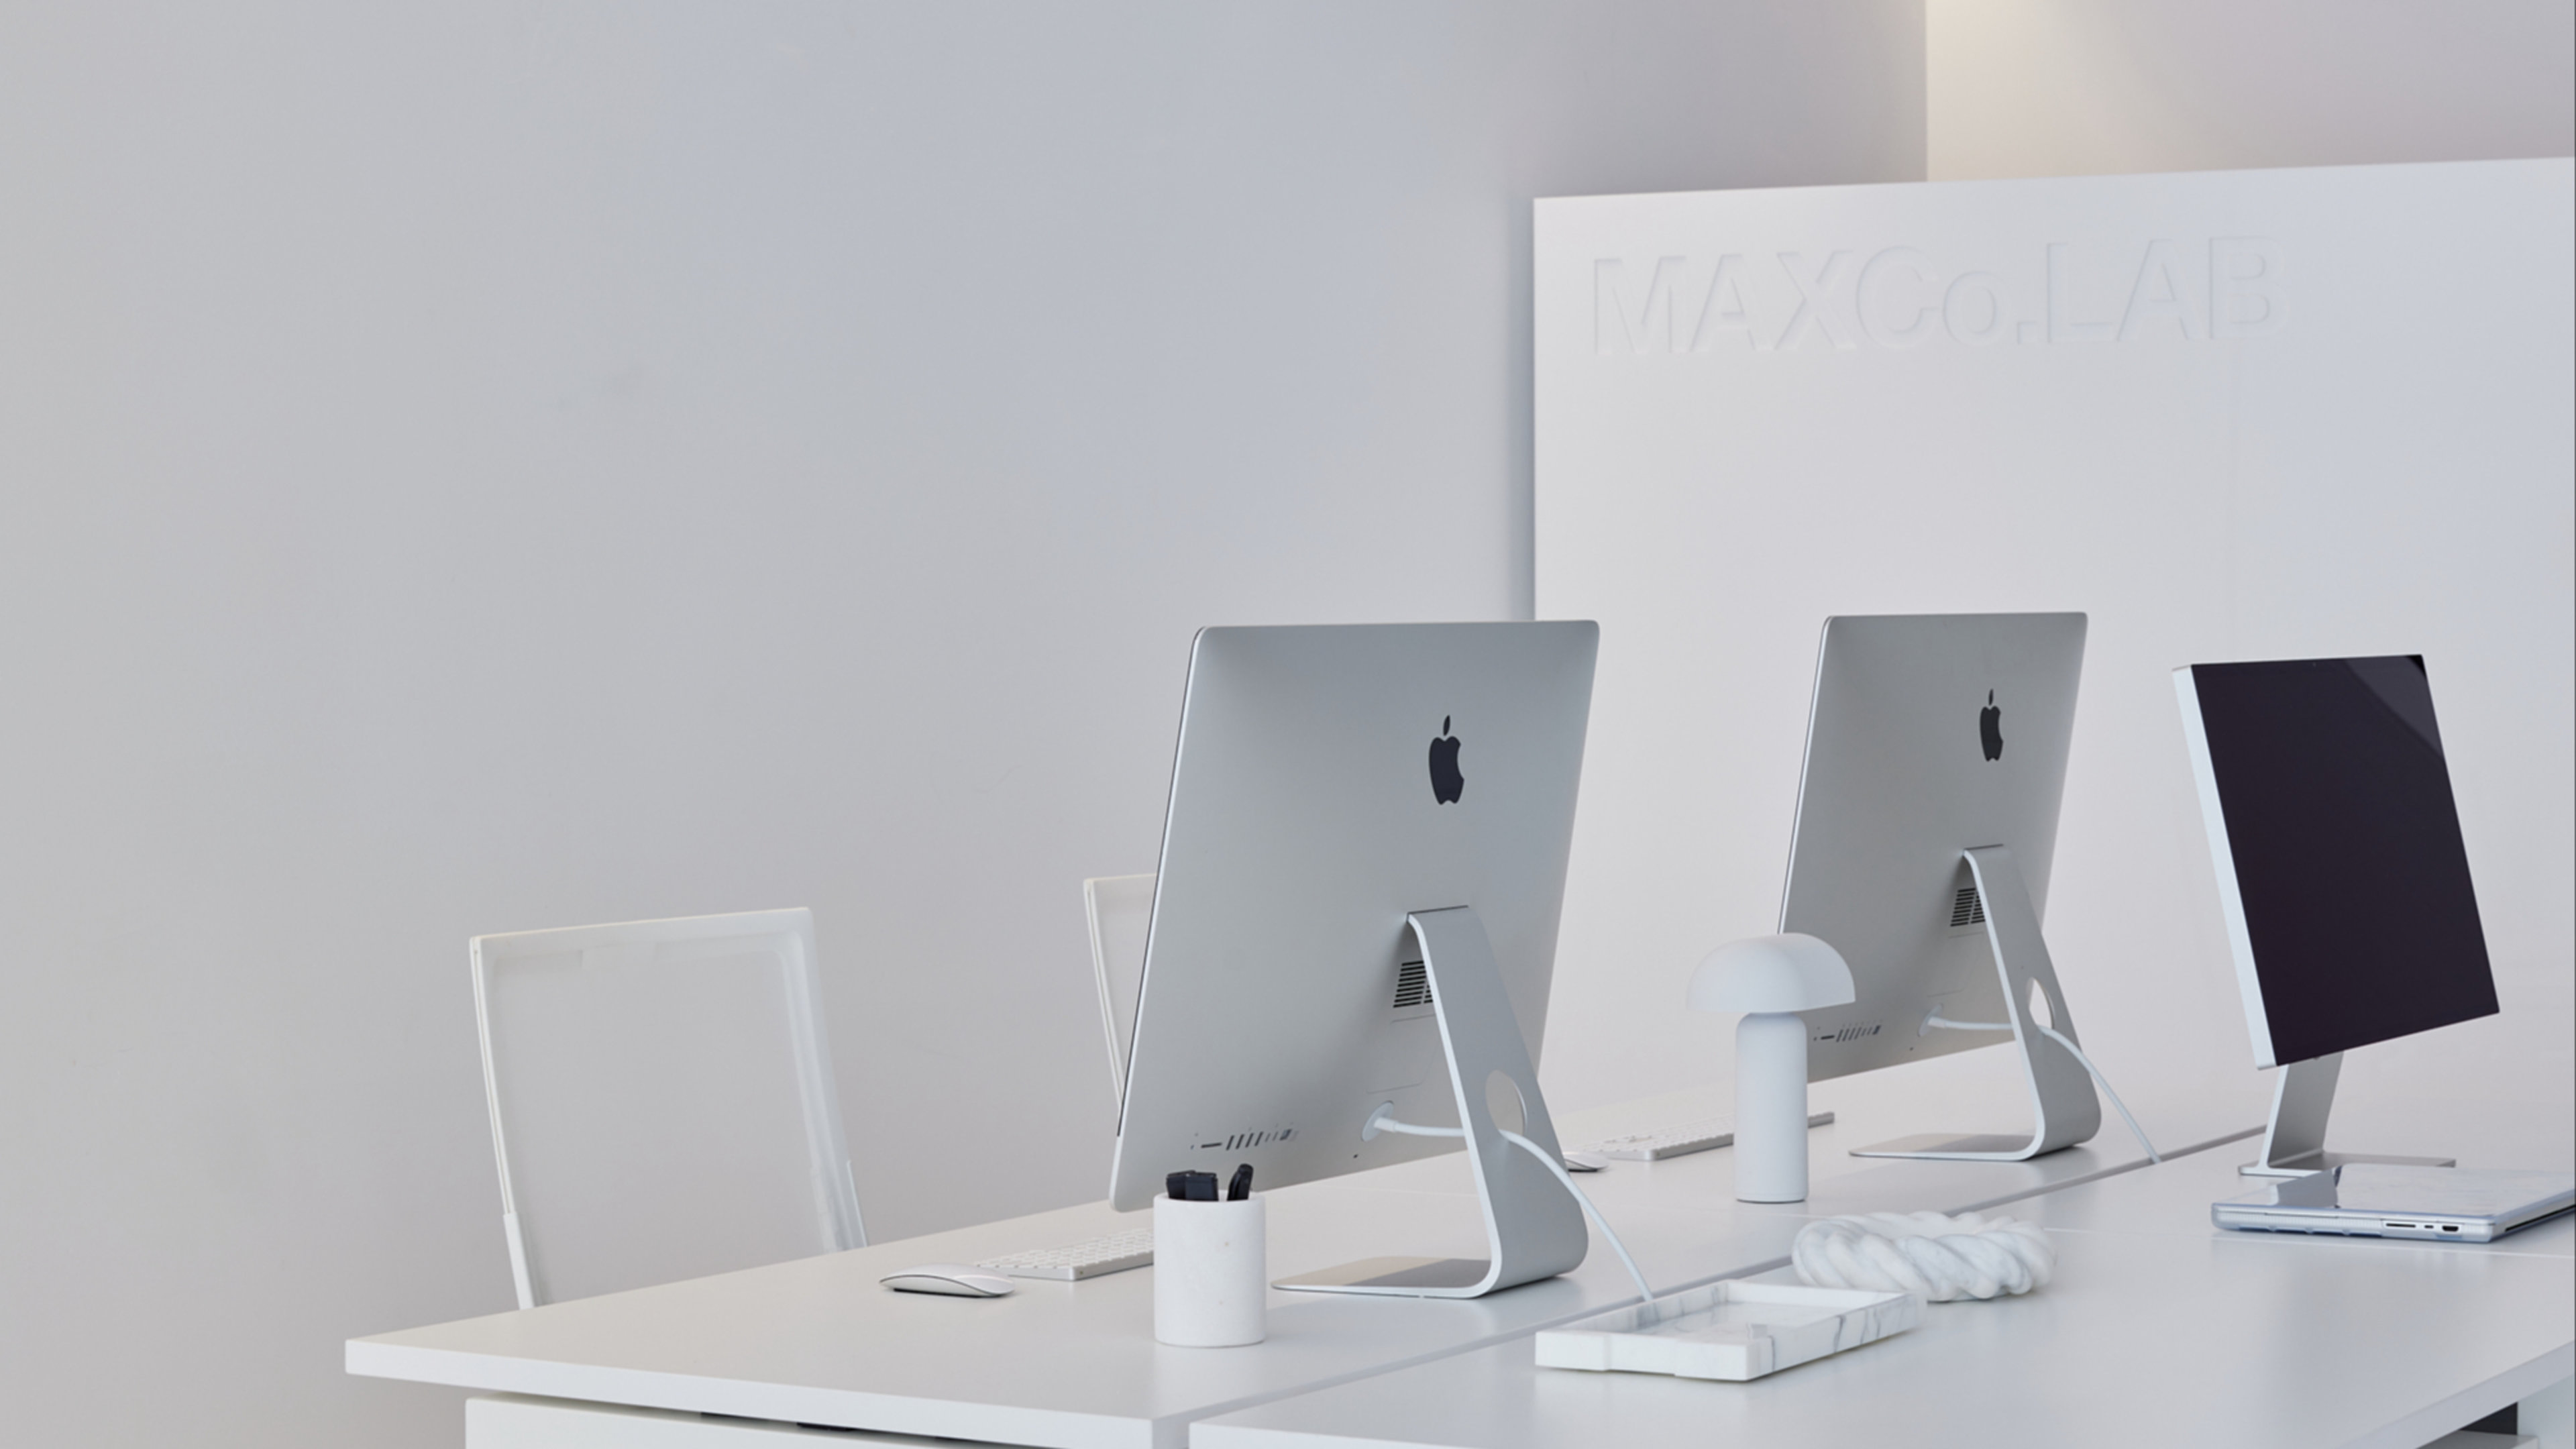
x: 2340, y: 864
x: 2342, y: 875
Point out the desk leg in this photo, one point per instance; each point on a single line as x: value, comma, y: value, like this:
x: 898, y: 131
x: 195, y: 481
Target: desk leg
x: 2550, y: 1415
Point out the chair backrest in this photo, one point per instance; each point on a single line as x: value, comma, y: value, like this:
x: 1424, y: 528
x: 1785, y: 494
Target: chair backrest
x: 662, y: 1101
x: 1121, y: 908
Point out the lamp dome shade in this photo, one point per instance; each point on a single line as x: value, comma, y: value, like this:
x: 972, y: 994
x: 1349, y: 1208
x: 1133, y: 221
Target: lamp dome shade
x: 1771, y: 973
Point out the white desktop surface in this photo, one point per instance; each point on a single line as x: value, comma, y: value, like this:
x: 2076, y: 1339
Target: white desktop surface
x: 2173, y: 1200
x: 2160, y: 1329
x: 2213, y: 1340
x: 819, y: 1342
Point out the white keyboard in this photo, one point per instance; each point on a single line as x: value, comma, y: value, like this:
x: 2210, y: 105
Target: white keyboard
x: 1680, y: 1139
x: 1076, y: 1261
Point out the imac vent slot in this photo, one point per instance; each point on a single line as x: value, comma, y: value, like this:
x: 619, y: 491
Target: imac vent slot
x: 1967, y: 909
x: 1412, y: 986
x: 1246, y: 1141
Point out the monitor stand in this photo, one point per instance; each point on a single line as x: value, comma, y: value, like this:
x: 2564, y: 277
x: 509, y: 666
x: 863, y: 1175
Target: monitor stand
x: 1535, y: 1229
x: 2294, y: 1145
x: 2061, y: 1092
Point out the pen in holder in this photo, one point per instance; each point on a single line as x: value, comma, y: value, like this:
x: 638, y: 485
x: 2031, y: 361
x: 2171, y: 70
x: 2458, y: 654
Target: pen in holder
x: 1211, y: 1271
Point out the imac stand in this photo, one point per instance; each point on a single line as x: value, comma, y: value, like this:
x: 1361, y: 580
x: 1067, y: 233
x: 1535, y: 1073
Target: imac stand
x: 2062, y: 1100
x: 1535, y: 1230
x: 2294, y: 1144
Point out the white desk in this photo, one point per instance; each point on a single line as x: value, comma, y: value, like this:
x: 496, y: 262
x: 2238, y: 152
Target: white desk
x: 819, y: 1342
x: 2160, y: 1330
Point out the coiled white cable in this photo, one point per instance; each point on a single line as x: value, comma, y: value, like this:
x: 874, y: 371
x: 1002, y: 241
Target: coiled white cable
x: 1381, y: 1122
x: 1939, y: 1258
x: 2053, y: 1034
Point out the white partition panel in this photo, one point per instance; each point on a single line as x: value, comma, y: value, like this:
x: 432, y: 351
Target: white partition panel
x: 2229, y: 414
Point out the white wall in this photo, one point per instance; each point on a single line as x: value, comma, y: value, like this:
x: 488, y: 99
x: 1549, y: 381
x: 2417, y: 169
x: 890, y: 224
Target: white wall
x: 2084, y: 87
x: 2255, y: 414
x: 476, y: 467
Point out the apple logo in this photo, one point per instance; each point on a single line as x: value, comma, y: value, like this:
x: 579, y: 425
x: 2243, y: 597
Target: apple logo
x: 1446, y: 783
x: 1990, y: 728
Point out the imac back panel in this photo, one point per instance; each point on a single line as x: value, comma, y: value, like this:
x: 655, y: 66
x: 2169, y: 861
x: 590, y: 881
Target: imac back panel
x: 1929, y: 735
x: 1329, y: 780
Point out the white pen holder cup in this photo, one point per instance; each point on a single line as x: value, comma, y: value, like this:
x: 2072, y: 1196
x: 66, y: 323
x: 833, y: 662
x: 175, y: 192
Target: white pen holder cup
x: 1211, y: 1272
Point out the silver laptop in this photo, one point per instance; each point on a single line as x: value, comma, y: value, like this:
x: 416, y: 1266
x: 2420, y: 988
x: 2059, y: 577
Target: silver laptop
x: 2379, y: 1200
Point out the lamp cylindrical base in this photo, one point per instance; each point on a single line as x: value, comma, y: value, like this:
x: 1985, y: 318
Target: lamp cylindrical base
x: 1771, y: 1107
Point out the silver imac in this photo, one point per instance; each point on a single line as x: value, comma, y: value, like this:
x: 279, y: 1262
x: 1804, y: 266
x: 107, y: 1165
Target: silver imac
x: 1356, y: 913
x: 2327, y: 797
x: 1927, y: 820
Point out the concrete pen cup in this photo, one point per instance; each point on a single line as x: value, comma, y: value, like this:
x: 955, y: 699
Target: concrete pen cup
x: 1211, y: 1271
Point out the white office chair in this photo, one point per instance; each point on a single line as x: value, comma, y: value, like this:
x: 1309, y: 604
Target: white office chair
x: 662, y: 1101
x: 1121, y: 908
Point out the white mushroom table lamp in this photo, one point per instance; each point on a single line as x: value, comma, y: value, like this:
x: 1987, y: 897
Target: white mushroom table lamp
x: 1771, y: 979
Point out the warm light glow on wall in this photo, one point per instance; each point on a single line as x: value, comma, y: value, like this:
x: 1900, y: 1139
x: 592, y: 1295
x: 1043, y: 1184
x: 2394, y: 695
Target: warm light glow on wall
x: 2088, y: 87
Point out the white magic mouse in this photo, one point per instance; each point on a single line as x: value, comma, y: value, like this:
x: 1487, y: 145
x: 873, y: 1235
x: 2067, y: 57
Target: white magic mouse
x: 954, y: 1279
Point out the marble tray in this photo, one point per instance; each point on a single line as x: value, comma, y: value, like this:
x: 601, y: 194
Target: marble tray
x: 1729, y: 1330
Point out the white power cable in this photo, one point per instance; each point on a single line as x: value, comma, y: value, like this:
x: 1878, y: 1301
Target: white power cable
x: 2054, y: 1035
x: 1381, y: 1122
x: 1549, y: 1161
